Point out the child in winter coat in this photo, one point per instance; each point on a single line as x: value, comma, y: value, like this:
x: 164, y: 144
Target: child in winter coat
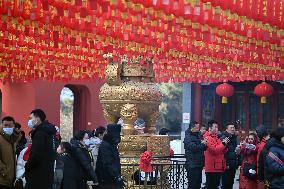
x: 20, y: 169
x: 21, y: 162
x: 59, y: 165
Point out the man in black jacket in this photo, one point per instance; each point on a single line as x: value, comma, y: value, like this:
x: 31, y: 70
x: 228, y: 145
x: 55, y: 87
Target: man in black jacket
x: 84, y: 171
x: 39, y: 169
x: 231, y: 157
x: 194, y: 151
x: 108, y: 167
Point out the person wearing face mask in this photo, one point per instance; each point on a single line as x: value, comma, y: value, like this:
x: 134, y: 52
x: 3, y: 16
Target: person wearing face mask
x: 8, y: 140
x: 39, y: 168
x: 83, y: 158
x: 108, y: 167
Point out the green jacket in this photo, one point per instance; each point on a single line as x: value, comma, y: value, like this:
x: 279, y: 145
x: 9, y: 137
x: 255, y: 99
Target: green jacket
x: 7, y: 158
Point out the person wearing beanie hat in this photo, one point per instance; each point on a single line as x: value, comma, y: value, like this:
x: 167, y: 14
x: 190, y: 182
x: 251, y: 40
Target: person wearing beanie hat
x: 108, y: 167
x: 274, y: 162
x: 113, y: 133
x: 261, y: 132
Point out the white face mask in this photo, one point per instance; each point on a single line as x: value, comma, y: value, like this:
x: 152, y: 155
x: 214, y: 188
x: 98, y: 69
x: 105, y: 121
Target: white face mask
x: 8, y: 131
x: 30, y: 123
x: 87, y: 142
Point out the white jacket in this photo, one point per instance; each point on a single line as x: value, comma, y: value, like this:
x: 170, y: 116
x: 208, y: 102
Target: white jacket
x: 20, y: 170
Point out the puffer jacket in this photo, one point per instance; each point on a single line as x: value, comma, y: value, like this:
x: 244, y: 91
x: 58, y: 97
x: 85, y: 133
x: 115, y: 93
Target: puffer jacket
x: 214, y: 155
x: 274, y: 165
x: 262, y: 157
x: 108, y: 163
x: 71, y: 175
x: 83, y: 158
x: 194, y: 149
x: 230, y: 156
x: 39, y: 168
x: 7, y: 158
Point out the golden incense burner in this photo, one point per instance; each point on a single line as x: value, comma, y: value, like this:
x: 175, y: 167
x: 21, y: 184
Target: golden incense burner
x: 129, y: 93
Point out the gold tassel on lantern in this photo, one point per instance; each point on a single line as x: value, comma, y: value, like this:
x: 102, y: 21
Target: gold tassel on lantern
x: 263, y: 100
x: 224, y: 100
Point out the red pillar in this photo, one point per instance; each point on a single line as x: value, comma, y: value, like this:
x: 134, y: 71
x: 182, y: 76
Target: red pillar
x: 197, y: 102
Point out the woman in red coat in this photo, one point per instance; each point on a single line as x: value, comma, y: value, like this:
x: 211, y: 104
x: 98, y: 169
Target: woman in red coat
x: 248, y: 150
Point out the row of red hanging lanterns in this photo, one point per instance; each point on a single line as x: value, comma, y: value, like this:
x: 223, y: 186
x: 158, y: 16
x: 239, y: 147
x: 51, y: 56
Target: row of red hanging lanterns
x: 188, y: 40
x: 263, y: 90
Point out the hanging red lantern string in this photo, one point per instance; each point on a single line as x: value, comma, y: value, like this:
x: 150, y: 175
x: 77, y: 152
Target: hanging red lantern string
x: 225, y: 90
x: 263, y: 90
x: 195, y: 40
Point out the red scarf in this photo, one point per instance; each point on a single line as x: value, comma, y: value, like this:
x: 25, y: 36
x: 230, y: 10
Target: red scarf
x: 145, y: 162
x: 27, y: 153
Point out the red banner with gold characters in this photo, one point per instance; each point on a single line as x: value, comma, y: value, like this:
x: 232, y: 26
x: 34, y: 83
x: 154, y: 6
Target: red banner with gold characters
x: 187, y: 40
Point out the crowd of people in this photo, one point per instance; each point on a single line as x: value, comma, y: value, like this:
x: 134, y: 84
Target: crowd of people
x: 260, y: 157
x: 43, y: 161
x: 91, y: 158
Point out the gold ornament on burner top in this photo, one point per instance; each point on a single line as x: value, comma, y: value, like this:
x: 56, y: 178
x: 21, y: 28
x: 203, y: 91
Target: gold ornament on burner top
x: 130, y: 93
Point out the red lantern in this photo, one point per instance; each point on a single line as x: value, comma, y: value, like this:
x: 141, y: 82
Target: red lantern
x: 225, y: 90
x: 263, y: 90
